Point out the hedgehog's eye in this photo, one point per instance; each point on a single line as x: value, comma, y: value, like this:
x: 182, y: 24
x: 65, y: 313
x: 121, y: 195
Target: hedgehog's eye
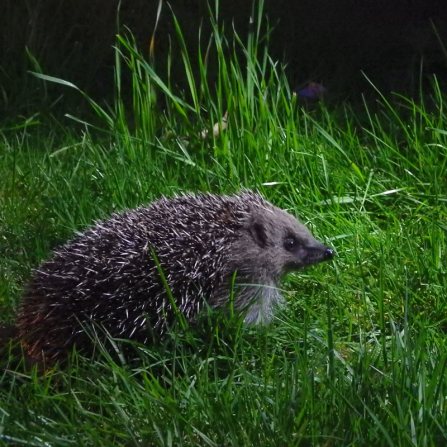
x: 290, y: 243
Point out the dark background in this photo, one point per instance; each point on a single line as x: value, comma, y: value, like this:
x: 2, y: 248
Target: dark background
x: 397, y: 43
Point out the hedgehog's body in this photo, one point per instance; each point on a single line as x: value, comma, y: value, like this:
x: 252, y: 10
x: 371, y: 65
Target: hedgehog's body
x: 205, y: 248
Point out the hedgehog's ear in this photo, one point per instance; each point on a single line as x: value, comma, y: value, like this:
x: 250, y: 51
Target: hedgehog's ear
x: 258, y: 233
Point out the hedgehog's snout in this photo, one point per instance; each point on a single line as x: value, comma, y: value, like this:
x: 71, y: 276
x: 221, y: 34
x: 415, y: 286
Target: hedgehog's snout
x: 328, y: 254
x: 316, y: 254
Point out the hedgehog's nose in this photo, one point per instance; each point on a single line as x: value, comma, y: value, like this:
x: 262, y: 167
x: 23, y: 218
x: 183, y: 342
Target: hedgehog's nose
x: 328, y: 253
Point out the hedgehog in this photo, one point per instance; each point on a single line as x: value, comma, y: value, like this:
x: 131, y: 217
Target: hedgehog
x: 134, y: 273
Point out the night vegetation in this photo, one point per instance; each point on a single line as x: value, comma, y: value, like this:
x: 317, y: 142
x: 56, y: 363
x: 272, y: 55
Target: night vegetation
x: 358, y: 358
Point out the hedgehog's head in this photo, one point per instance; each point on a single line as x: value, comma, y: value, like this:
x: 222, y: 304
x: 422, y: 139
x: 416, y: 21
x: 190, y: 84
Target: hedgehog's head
x: 275, y: 243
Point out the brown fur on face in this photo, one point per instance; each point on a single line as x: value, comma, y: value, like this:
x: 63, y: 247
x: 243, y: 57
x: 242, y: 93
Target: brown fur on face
x: 271, y: 244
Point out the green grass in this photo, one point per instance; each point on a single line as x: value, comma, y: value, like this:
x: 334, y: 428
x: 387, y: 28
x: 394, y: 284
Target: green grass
x: 359, y: 357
